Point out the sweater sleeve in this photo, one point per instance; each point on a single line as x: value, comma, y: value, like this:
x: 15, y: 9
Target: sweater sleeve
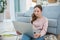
x: 44, y: 30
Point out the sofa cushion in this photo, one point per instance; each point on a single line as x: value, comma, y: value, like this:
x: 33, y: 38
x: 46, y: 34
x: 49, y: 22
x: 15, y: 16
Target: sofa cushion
x: 29, y: 12
x: 24, y: 19
x: 51, y: 12
x: 52, y: 22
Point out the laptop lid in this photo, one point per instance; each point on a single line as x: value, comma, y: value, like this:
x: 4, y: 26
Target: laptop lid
x: 24, y: 28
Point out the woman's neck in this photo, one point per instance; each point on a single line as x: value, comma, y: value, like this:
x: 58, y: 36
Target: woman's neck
x: 40, y: 17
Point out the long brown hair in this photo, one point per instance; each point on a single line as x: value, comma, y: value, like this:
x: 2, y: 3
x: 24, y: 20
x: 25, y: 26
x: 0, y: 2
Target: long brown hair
x: 33, y: 15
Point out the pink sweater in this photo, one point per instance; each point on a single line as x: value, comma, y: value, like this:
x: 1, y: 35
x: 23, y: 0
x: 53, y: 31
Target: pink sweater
x: 40, y: 26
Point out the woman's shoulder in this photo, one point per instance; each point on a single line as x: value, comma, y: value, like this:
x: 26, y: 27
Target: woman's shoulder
x: 45, y: 18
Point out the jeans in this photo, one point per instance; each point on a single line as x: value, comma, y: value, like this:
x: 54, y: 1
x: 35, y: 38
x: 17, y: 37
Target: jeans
x: 26, y: 37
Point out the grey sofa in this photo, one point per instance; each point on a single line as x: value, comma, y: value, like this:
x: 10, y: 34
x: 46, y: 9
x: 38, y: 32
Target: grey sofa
x: 51, y: 12
x: 53, y: 15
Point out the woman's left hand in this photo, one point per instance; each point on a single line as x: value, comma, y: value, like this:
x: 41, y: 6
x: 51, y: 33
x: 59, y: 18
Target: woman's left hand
x: 37, y: 35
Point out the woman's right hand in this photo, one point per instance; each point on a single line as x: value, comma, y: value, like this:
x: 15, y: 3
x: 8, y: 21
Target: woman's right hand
x: 18, y: 32
x: 37, y: 35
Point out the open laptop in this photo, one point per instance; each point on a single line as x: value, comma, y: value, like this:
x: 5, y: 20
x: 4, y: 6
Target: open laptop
x: 24, y: 28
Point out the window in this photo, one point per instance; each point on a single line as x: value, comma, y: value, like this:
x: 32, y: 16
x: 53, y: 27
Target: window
x: 17, y: 5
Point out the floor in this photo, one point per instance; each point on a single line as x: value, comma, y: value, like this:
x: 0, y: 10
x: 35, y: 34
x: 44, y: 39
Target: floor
x: 6, y: 27
x: 12, y: 38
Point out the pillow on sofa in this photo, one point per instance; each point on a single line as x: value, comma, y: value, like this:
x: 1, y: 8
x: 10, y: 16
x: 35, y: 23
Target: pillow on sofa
x: 29, y: 12
x: 24, y: 19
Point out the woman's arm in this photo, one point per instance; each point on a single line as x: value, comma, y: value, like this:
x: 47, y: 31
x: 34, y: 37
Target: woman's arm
x: 44, y: 30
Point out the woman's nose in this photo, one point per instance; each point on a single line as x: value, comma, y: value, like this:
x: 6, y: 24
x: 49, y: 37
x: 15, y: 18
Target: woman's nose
x: 35, y: 12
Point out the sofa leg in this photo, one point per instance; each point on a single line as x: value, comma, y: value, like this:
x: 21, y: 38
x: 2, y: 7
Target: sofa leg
x: 58, y: 37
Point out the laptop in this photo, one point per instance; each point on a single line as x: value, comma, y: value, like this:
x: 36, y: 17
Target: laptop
x: 24, y: 28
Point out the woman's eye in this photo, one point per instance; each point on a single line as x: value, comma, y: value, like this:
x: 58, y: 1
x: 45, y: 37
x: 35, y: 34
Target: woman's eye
x: 34, y: 11
x: 37, y: 11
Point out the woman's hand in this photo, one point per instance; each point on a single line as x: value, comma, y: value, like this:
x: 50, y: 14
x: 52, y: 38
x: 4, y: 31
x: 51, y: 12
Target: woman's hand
x: 18, y: 32
x: 37, y: 35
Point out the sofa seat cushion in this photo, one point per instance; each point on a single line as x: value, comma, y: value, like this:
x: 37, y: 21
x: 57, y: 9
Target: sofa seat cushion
x: 51, y: 30
x: 52, y: 22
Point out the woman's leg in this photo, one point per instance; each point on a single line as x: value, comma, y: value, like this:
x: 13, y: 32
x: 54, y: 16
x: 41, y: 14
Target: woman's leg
x: 40, y: 38
x: 25, y: 37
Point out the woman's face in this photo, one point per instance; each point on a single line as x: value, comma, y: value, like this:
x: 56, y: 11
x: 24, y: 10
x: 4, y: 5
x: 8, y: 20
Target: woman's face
x: 37, y: 12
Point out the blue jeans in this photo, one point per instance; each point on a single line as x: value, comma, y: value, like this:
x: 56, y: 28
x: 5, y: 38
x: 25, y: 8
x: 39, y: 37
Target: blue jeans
x: 26, y: 37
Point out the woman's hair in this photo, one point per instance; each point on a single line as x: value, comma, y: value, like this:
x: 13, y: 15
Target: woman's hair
x: 33, y: 15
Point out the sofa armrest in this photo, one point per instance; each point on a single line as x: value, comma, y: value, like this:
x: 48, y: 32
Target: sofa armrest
x: 58, y: 25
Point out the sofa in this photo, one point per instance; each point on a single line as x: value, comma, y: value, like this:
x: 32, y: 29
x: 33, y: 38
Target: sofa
x: 53, y: 15
x: 51, y: 12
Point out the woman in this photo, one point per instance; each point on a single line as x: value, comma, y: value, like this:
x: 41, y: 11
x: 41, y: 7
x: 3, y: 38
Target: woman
x: 40, y: 25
